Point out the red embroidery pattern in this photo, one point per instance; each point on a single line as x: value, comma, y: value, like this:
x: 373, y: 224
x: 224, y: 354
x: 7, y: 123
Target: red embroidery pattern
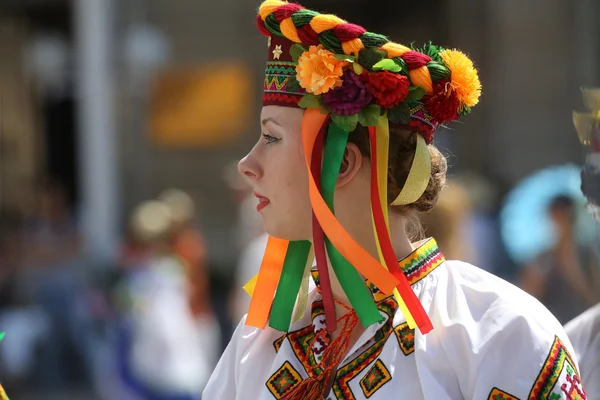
x: 551, y: 370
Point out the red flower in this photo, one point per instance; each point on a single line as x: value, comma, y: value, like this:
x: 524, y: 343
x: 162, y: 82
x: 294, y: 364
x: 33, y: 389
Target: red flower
x: 389, y: 89
x: 443, y: 105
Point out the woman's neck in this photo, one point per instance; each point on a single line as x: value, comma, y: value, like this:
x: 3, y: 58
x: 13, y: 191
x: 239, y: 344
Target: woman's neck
x: 362, y: 232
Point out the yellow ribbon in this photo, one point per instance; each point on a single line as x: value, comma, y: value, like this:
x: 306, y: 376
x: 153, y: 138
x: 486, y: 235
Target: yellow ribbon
x: 383, y: 140
x: 418, y: 177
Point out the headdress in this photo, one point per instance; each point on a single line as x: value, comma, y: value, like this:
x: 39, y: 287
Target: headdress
x: 343, y: 76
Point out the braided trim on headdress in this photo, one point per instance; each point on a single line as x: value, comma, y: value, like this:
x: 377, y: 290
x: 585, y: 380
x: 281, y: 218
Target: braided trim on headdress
x: 297, y: 24
x: 449, y: 80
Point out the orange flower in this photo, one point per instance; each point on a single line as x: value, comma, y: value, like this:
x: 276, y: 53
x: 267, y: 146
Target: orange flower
x: 318, y: 70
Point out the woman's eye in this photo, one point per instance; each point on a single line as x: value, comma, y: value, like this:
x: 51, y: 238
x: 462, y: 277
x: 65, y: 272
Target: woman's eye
x: 270, y: 139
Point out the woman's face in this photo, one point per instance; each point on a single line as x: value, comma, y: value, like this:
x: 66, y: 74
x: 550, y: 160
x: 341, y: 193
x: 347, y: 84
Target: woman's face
x: 276, y: 170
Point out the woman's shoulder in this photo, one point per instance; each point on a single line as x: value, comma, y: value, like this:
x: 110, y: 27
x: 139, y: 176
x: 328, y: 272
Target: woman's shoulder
x: 486, y: 293
x: 496, y: 335
x: 488, y: 304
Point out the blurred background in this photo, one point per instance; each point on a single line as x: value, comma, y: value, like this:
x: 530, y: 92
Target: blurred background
x: 126, y: 233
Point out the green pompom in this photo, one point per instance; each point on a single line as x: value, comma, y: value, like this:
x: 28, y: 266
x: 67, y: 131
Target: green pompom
x: 400, y: 114
x: 438, y: 71
x: 310, y: 101
x: 402, y: 64
x: 331, y: 42
x: 347, y: 123
x: 375, y: 40
x: 303, y: 17
x: 273, y: 25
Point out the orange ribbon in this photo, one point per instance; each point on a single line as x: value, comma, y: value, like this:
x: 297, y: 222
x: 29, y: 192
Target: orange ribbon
x: 266, y: 284
x: 368, y: 266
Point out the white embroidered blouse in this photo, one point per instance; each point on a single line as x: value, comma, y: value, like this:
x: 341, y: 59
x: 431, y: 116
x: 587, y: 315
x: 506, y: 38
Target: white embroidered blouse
x: 490, y: 341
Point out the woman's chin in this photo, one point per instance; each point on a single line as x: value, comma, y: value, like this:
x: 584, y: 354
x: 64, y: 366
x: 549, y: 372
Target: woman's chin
x: 286, y: 232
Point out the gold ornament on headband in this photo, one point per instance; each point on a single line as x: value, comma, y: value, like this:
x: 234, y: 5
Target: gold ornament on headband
x: 586, y: 123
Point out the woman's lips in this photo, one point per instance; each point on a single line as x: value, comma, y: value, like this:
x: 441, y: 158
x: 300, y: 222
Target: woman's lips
x: 262, y: 201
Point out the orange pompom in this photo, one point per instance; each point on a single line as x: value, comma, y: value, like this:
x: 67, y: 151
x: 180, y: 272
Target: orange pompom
x: 464, y: 80
x: 421, y: 77
x: 325, y: 22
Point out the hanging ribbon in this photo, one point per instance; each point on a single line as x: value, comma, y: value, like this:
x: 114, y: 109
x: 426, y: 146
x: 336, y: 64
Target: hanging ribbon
x: 303, y: 294
x: 407, y: 300
x: 346, y: 245
x: 359, y: 295
x: 289, y: 285
x: 379, y: 162
x: 379, y: 167
x: 266, y: 282
x: 319, y: 238
x: 418, y: 177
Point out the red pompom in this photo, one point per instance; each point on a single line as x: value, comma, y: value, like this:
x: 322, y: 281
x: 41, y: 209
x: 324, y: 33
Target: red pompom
x: 443, y: 105
x: 414, y: 59
x: 308, y: 36
x: 261, y: 26
x: 348, y: 32
x: 286, y: 11
x: 389, y: 89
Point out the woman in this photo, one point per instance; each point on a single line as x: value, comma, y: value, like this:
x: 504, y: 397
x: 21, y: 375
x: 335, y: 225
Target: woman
x: 429, y: 328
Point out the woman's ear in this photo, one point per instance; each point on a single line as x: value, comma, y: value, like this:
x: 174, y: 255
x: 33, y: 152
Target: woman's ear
x: 351, y: 164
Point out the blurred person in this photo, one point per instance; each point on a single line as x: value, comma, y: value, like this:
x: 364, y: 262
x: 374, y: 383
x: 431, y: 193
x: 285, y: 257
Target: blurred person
x: 448, y: 222
x: 26, y: 323
x: 189, y: 244
x: 565, y: 278
x: 451, y: 330
x: 166, y: 350
x: 52, y: 275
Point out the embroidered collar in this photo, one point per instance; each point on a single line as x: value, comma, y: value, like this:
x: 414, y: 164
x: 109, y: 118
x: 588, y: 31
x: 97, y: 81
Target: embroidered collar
x: 415, y: 266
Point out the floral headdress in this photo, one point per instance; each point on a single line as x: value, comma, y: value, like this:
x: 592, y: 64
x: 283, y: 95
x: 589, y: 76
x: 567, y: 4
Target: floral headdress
x: 343, y: 76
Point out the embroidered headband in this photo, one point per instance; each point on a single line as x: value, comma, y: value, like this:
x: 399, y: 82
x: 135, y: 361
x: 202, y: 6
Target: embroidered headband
x: 343, y: 75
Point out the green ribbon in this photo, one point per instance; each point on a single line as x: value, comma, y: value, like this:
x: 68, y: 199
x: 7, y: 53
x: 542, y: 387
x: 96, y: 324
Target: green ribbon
x: 289, y: 284
x: 359, y: 295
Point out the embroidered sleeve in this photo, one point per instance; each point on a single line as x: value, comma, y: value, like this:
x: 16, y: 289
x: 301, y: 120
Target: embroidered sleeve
x: 557, y: 379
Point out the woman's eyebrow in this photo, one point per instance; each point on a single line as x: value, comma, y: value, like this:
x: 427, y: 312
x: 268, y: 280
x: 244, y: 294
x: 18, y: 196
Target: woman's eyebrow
x: 269, y: 119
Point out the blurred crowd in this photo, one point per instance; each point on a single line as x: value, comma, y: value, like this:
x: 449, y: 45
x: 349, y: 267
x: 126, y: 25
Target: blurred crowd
x: 152, y: 326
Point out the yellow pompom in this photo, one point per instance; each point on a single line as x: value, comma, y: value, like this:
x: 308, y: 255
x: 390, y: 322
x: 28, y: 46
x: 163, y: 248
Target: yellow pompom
x: 268, y: 6
x: 324, y: 22
x: 464, y: 79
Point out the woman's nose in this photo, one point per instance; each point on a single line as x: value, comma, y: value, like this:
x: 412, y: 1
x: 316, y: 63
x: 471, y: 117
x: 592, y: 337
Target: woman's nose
x: 249, y: 168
